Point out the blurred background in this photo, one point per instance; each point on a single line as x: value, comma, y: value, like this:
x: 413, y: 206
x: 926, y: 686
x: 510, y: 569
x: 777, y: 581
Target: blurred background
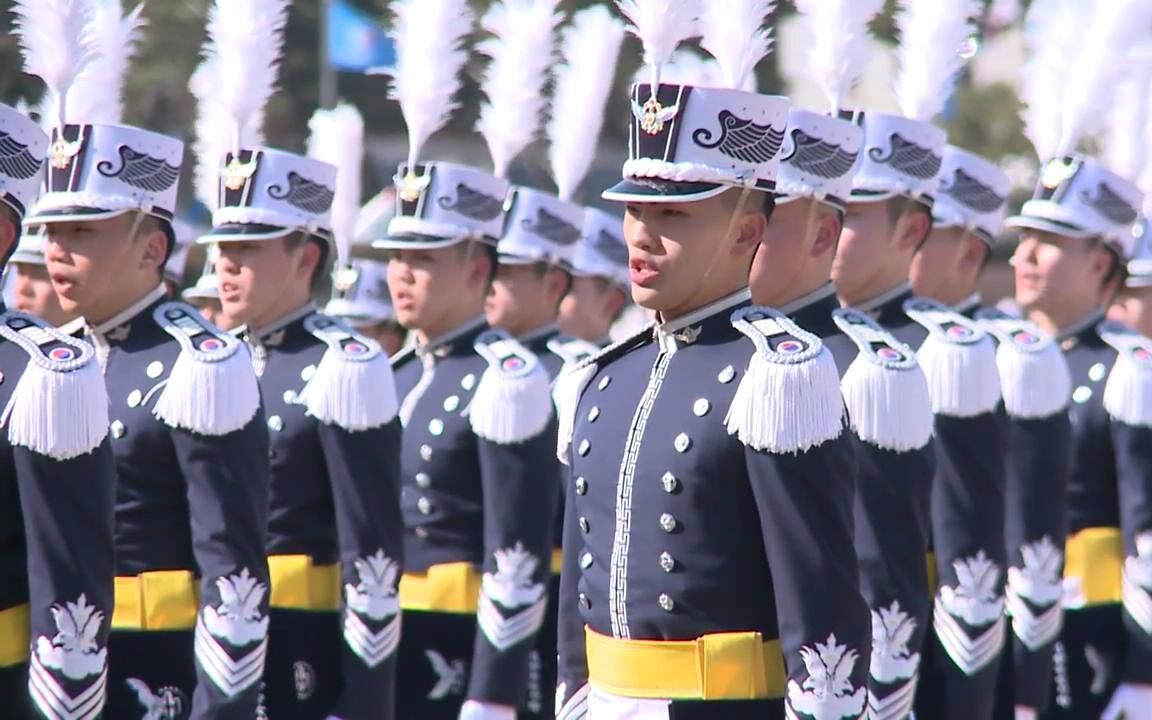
x: 330, y: 45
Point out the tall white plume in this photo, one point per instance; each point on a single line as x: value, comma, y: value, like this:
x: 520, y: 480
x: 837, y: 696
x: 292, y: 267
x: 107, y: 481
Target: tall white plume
x: 590, y: 50
x: 522, y: 48
x: 245, y: 42
x: 1114, y: 25
x: 215, y: 134
x: 689, y: 67
x: 98, y: 94
x: 1126, y: 143
x: 57, y: 43
x: 336, y: 137
x: 1053, y: 32
x: 932, y: 38
x: 840, y: 43
x: 661, y: 25
x: 429, y: 37
x: 734, y: 32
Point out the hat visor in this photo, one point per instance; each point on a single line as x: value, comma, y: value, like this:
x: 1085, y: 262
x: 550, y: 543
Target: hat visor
x: 27, y: 258
x: 867, y: 196
x: 72, y: 214
x: 654, y: 190
x: 427, y: 242
x: 244, y: 232
x: 362, y: 322
x: 193, y: 293
x: 1029, y: 222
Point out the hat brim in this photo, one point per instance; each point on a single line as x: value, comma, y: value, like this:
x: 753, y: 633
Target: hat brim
x: 427, y: 242
x: 25, y: 258
x: 654, y: 190
x: 200, y: 294
x: 1028, y: 222
x: 244, y: 232
x: 869, y: 196
x: 73, y: 214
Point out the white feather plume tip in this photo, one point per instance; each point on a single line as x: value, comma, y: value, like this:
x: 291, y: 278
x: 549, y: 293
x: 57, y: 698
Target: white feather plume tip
x: 245, y: 41
x: 57, y: 43
x: 429, y: 37
x: 215, y: 131
x: 337, y: 138
x: 1052, y: 28
x: 661, y: 25
x: 932, y: 38
x: 734, y: 32
x: 591, y: 48
x: 1127, y: 143
x: 522, y: 48
x: 97, y: 96
x: 840, y: 42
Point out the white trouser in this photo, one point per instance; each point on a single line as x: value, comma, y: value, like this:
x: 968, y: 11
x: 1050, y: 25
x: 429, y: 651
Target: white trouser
x: 606, y: 706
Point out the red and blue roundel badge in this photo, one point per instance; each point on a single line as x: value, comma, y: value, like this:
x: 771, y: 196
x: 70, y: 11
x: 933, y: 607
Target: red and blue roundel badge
x: 1025, y: 338
x: 1142, y: 355
x: 512, y: 363
x: 62, y: 354
x: 790, y: 347
x: 887, y: 353
x: 959, y: 331
x: 211, y: 344
x: 355, y: 348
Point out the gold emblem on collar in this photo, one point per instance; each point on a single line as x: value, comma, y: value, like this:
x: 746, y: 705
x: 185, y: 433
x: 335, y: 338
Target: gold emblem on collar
x: 119, y: 334
x: 688, y: 335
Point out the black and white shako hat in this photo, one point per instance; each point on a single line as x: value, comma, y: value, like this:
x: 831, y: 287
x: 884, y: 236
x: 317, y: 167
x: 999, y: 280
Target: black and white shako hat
x: 973, y: 194
x: 439, y: 204
x: 360, y: 294
x: 690, y: 143
x: 819, y: 158
x: 1077, y: 196
x: 900, y: 157
x: 207, y: 286
x: 22, y: 150
x: 540, y: 227
x: 602, y: 252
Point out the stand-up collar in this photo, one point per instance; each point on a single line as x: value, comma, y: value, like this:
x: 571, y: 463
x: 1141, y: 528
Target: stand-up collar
x: 821, y: 293
x: 1090, y: 320
x: 682, y: 331
x: 444, y: 341
x: 127, y: 315
x: 879, y: 301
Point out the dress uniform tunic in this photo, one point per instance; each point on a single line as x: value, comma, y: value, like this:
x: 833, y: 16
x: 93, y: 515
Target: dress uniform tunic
x: 478, y: 524
x: 1107, y: 634
x: 191, y: 449
x: 686, y: 548
x: 334, y: 522
x: 56, y: 502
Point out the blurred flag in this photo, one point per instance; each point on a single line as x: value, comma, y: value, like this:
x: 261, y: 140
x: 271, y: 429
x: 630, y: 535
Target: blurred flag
x: 355, y: 41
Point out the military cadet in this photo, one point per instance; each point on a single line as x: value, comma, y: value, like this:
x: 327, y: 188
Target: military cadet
x: 191, y: 447
x: 1133, y: 302
x: 478, y: 447
x: 334, y: 531
x: 360, y: 299
x: 204, y: 294
x: 707, y: 535
x: 599, y: 291
x: 31, y: 287
x: 178, y: 263
x: 56, y: 487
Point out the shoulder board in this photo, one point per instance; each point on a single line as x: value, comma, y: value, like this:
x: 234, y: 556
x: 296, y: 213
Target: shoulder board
x: 884, y: 389
x: 618, y: 348
x: 572, y: 351
x: 513, y: 400
x: 1034, y: 376
x: 59, y: 407
x: 958, y: 358
x: 1128, y: 392
x: 789, y: 398
x: 73, y: 328
x: 212, y: 388
x: 352, y: 387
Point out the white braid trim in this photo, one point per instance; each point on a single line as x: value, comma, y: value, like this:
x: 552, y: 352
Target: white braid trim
x: 687, y: 172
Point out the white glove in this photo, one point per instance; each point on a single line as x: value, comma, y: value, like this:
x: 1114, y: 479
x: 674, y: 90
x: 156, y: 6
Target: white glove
x: 1023, y: 712
x: 1130, y: 702
x: 476, y: 710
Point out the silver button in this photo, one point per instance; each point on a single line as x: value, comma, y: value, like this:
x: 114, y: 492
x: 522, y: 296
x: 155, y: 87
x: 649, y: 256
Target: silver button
x: 134, y: 398
x: 586, y: 560
x: 117, y: 429
x: 451, y: 403
x: 671, y: 484
x: 1097, y: 372
x: 701, y: 407
x: 468, y: 381
x: 666, y: 603
x: 423, y: 480
x: 307, y: 373
x: 667, y: 522
x: 155, y: 369
x: 275, y: 423
x: 585, y: 446
x: 604, y: 382
x: 581, y: 486
x: 583, y: 523
x: 1082, y: 394
x: 682, y: 443
x: 666, y: 562
x: 425, y: 453
x: 727, y: 375
x: 584, y: 602
x: 289, y: 397
x: 436, y: 426
x: 593, y: 414
x: 421, y: 532
x: 424, y: 505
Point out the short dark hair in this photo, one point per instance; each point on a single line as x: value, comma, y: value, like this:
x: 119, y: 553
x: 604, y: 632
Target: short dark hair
x: 295, y: 241
x: 767, y: 200
x: 902, y: 205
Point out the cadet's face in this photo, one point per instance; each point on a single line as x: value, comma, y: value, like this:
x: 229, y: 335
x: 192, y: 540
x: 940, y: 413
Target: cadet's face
x: 784, y: 252
x: 33, y: 293
x: 1133, y: 306
x: 210, y: 310
x: 253, y: 275
x: 863, y: 247
x: 87, y: 262
x: 422, y: 283
x: 589, y: 308
x: 517, y: 296
x: 1053, y: 271
x: 937, y: 261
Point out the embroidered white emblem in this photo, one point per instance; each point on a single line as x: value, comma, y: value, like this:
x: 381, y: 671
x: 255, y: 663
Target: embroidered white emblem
x: 303, y: 679
x: 828, y: 693
x: 975, y: 599
x: 166, y: 704
x: 1040, y: 584
x: 74, y: 653
x: 374, y: 597
x: 238, y: 622
x: 892, y: 631
x: 451, y: 676
x: 1136, y: 585
x: 511, y: 588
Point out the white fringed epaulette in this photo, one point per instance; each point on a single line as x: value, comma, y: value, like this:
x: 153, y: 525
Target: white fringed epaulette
x: 353, y: 387
x: 1034, y: 377
x: 513, y: 400
x: 212, y: 388
x: 884, y: 388
x: 958, y: 359
x: 572, y: 351
x: 1128, y: 392
x: 789, y: 398
x: 60, y: 405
